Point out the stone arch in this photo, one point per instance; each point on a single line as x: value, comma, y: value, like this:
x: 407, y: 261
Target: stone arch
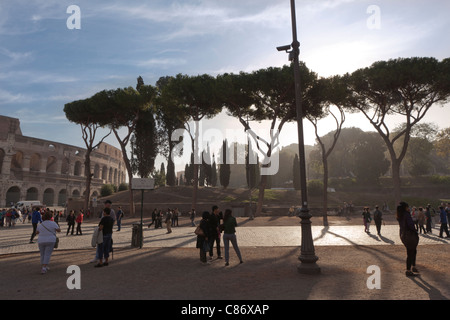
x: 76, y: 193
x: 12, y: 195
x: 110, y: 175
x: 115, y: 176
x: 51, y: 165
x: 65, y: 165
x: 49, y: 197
x: 62, y: 197
x: 105, y: 172
x: 96, y: 171
x: 35, y: 162
x: 77, y: 169
x: 17, y: 161
x: 32, y: 194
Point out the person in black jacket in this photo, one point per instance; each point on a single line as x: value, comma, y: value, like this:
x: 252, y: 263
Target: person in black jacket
x: 214, y: 222
x: 408, y: 236
x: 203, y: 239
x: 70, y: 222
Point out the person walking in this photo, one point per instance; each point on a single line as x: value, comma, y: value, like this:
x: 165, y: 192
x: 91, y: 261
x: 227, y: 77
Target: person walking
x: 443, y: 219
x: 119, y: 218
x: 192, y: 217
x: 46, y: 241
x: 409, y: 237
x: 421, y: 220
x: 203, y: 235
x: 378, y: 218
x: 79, y: 221
x: 169, y: 221
x: 153, y: 218
x: 366, y: 219
x: 106, y: 226
x: 229, y: 234
x: 70, y: 222
x: 35, y: 219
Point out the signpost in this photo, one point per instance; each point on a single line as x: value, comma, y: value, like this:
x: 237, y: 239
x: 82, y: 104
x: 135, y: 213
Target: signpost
x: 142, y: 184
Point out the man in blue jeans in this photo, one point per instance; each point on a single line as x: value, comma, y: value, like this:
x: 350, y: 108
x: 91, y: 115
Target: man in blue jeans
x: 106, y: 226
x: 35, y: 219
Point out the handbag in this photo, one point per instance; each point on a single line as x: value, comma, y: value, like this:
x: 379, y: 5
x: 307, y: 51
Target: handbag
x: 57, y: 239
x: 199, y: 231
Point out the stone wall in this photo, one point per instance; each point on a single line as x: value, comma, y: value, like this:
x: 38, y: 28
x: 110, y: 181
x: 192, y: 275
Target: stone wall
x: 52, y: 172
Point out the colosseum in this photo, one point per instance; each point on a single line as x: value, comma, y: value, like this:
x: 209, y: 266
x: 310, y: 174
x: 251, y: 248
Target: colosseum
x: 51, y: 172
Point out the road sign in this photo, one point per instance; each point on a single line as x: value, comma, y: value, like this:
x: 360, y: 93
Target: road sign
x: 143, y: 184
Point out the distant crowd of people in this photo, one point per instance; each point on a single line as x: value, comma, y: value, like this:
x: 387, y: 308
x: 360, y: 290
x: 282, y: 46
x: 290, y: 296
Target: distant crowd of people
x: 422, y: 218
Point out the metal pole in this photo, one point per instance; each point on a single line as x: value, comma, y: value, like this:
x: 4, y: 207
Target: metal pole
x: 307, y: 256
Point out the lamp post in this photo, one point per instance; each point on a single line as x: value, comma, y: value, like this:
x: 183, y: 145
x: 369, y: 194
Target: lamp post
x: 307, y: 256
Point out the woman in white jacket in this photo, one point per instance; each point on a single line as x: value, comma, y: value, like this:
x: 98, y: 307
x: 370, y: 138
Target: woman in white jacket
x: 47, y: 238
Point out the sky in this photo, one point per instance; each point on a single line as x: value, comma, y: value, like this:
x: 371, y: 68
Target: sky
x: 51, y: 55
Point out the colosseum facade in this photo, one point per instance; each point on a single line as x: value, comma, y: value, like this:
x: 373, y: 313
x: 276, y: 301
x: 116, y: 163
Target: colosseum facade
x: 51, y: 172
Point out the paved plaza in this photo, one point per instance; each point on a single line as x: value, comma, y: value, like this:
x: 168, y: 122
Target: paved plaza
x: 168, y: 266
x: 16, y: 240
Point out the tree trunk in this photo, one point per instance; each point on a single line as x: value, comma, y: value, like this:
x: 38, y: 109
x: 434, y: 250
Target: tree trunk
x: 396, y: 181
x: 262, y: 187
x: 325, y: 192
x: 129, y: 171
x: 87, y: 173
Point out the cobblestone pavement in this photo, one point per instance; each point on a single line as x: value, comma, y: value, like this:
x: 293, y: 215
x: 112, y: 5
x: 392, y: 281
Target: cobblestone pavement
x: 16, y: 239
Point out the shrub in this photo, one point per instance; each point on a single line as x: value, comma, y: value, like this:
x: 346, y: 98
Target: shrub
x: 315, y: 187
x: 107, y: 190
x: 123, y: 186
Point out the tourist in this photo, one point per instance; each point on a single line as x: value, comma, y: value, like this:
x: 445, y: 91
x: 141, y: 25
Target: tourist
x: 378, y: 218
x: 153, y: 218
x: 203, y: 237
x: 443, y: 220
x: 47, y: 237
x: 119, y: 218
x: 106, y: 226
x: 229, y: 234
x: 70, y: 222
x: 35, y: 219
x: 192, y: 217
x: 414, y: 218
x: 447, y: 210
x: 108, y: 204
x: 421, y: 220
x: 214, y: 222
x: 175, y: 217
x: 366, y: 219
x: 159, y: 218
x: 429, y: 218
x: 409, y: 237
x: 169, y: 221
x: 79, y: 221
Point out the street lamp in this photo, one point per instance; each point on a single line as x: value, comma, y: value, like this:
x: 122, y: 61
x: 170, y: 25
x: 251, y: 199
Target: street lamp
x: 307, y: 256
